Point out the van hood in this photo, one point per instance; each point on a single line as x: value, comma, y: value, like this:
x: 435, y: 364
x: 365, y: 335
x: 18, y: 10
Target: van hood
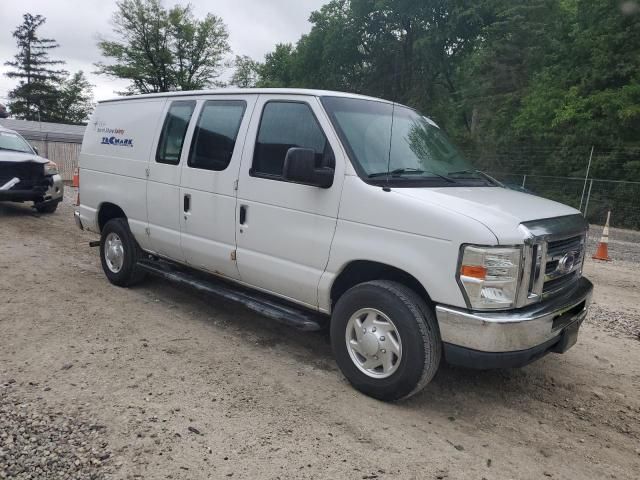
x: 501, y: 210
x: 20, y: 157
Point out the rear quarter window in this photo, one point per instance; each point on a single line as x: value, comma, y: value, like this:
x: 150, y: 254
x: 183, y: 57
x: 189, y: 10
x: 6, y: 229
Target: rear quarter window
x: 174, y: 131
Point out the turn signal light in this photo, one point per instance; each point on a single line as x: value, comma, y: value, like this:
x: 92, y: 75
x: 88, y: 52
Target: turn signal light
x: 473, y: 271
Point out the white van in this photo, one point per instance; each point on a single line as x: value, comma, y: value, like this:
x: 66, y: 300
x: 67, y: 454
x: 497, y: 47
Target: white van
x: 319, y: 208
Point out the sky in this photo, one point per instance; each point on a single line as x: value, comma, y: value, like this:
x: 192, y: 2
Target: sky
x: 255, y: 26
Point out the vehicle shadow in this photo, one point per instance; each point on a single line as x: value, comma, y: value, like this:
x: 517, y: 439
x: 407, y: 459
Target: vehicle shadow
x: 451, y: 386
x: 13, y: 209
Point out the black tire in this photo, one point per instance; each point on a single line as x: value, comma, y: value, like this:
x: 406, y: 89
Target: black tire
x: 417, y: 328
x: 129, y: 274
x: 47, y: 208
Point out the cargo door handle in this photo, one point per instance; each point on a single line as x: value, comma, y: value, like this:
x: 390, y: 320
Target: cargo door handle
x: 187, y: 203
x: 243, y: 214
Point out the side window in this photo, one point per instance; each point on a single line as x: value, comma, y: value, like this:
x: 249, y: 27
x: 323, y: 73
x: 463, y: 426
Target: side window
x: 215, y: 136
x: 285, y: 125
x: 173, y: 132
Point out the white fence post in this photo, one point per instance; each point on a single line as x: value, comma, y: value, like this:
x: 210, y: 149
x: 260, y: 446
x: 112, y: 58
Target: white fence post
x: 584, y: 187
x: 586, y: 206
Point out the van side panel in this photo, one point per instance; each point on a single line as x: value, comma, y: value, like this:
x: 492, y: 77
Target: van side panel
x: 371, y: 226
x: 116, y: 148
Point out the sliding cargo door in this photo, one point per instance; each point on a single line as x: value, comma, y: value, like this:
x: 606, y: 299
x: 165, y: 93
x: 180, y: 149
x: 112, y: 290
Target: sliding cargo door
x: 208, y: 183
x: 163, y: 185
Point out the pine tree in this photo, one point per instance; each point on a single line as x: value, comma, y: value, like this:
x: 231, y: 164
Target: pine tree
x: 35, y: 96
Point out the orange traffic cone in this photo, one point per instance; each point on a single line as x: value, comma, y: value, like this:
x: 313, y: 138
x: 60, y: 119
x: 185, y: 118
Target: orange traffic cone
x: 603, y: 247
x: 76, y: 178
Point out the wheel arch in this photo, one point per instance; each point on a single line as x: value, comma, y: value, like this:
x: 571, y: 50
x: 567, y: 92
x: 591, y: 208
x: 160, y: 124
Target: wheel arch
x: 360, y: 271
x: 108, y: 211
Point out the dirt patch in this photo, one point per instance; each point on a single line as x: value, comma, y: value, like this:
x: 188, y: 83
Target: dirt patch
x: 189, y: 387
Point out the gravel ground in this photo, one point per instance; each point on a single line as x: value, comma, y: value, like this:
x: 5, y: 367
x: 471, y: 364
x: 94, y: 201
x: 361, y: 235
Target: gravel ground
x: 40, y: 441
x: 160, y: 382
x: 616, y: 322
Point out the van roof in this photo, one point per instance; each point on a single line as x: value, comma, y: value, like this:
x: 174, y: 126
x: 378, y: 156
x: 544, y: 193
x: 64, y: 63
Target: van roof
x: 245, y: 91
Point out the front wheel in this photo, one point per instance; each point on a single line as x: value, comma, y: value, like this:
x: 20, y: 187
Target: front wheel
x: 119, y: 253
x: 47, y: 207
x: 385, y: 339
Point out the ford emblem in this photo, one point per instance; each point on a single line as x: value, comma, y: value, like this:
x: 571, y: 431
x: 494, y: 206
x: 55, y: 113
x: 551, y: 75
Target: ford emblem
x: 567, y: 262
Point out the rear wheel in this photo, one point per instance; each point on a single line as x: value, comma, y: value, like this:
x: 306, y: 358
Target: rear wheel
x: 119, y: 253
x: 385, y: 339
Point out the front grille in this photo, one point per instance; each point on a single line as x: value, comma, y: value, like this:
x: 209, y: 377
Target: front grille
x: 31, y: 174
x: 554, y: 252
x: 563, y: 263
x: 556, y: 284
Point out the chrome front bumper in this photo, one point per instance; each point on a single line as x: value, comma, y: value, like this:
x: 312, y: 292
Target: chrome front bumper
x: 516, y: 330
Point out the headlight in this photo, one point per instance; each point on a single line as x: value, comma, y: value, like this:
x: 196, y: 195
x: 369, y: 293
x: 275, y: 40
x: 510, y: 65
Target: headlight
x: 489, y: 276
x: 50, y: 168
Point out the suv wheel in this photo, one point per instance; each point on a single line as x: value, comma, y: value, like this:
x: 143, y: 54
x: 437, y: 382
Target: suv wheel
x: 385, y: 339
x: 119, y: 253
x: 47, y: 207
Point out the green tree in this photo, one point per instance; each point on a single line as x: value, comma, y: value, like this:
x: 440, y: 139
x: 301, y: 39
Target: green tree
x: 74, y: 100
x: 329, y: 57
x: 403, y: 50
x: 277, y: 69
x: 591, y: 90
x: 35, y: 95
x: 525, y: 86
x: 160, y: 50
x: 198, y: 48
x: 498, y: 75
x: 245, y: 74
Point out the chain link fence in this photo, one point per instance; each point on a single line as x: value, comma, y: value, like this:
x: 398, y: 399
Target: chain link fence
x: 594, y: 182
x: 593, y: 197
x: 589, y: 180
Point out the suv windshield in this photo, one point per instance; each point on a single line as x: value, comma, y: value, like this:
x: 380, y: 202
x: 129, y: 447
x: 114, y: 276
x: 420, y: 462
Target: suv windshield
x: 392, y: 143
x: 13, y: 142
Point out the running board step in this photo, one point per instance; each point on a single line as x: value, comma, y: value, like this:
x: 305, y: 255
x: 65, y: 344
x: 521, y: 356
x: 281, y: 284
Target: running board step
x: 283, y: 312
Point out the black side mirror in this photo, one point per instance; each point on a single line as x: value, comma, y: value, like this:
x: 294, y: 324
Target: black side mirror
x: 35, y: 150
x: 300, y: 167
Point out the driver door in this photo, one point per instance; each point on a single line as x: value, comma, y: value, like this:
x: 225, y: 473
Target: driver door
x: 284, y: 229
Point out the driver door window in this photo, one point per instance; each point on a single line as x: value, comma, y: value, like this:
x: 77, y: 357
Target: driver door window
x: 286, y: 125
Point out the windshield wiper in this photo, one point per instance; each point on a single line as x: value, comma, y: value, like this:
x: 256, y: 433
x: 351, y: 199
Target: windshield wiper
x: 409, y: 171
x: 480, y: 173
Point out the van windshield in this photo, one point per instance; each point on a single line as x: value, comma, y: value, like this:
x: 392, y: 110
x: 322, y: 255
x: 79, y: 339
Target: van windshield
x: 394, y: 144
